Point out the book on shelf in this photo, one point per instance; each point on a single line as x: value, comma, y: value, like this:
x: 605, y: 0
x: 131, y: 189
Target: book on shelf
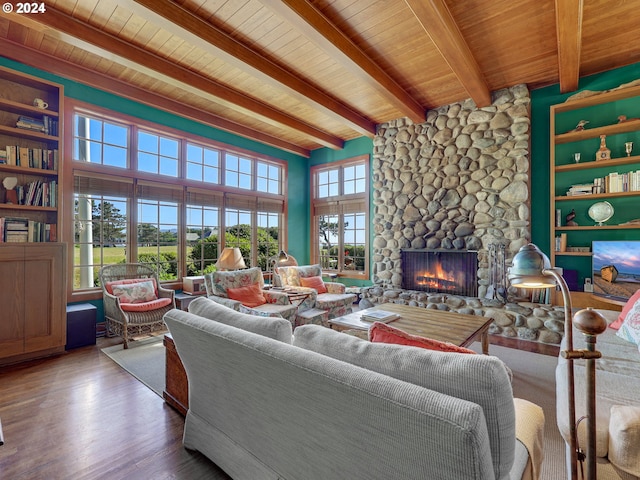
x: 379, y: 316
x: 30, y: 123
x: 23, y: 230
x: 44, y: 159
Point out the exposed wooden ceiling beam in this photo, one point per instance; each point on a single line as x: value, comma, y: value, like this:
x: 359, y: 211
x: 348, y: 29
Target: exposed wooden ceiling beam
x: 69, y: 70
x: 569, y: 35
x: 438, y: 23
x: 302, y: 15
x: 91, y: 39
x: 184, y: 24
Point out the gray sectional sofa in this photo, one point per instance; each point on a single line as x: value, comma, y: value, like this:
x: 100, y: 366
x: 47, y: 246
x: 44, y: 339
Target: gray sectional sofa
x: 327, y: 405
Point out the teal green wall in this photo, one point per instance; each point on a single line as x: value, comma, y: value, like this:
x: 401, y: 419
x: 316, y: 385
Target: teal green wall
x: 298, y: 185
x: 352, y: 148
x: 541, y: 100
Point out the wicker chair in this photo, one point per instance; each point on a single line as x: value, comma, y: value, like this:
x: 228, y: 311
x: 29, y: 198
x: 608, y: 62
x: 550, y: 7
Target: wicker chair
x: 141, y: 316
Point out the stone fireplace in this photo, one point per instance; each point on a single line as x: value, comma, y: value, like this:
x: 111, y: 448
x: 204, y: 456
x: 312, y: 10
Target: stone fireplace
x: 459, y: 181
x: 440, y: 271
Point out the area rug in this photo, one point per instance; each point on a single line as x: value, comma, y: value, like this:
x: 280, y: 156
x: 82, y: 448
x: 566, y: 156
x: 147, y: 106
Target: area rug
x: 144, y: 359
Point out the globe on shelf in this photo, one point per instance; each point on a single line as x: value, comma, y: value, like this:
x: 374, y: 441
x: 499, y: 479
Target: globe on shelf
x: 600, y: 212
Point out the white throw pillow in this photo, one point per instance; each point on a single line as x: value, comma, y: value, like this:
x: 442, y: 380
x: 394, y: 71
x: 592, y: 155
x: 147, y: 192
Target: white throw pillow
x: 624, y: 438
x: 138, y: 292
x: 630, y: 328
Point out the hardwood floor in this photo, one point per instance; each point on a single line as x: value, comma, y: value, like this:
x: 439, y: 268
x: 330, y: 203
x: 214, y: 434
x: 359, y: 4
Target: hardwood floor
x: 81, y: 416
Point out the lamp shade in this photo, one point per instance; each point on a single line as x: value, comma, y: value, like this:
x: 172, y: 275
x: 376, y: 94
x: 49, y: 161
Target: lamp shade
x: 230, y: 259
x: 528, y: 267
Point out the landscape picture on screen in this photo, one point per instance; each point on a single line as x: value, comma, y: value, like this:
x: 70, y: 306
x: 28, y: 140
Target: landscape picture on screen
x: 616, y: 268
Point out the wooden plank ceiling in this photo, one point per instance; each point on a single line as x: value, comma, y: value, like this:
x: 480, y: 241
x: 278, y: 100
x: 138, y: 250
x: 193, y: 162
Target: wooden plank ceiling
x: 305, y: 74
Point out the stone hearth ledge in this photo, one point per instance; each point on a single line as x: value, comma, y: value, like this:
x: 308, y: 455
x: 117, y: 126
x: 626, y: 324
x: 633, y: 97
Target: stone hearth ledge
x: 516, y: 319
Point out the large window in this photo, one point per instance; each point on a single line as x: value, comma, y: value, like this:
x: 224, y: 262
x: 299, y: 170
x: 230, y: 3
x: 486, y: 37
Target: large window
x: 340, y: 216
x: 173, y: 202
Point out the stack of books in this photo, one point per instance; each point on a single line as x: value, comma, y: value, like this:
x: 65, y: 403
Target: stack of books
x: 21, y: 230
x: 379, y: 316
x: 15, y: 230
x: 30, y: 123
x: 580, y: 189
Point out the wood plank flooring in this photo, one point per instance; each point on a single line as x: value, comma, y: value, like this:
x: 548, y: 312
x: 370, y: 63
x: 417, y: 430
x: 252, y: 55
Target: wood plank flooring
x: 81, y: 416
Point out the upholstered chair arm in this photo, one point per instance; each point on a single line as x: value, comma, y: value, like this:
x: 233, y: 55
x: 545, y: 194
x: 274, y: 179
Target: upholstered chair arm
x: 335, y: 287
x: 529, y: 432
x: 275, y: 297
x: 227, y: 302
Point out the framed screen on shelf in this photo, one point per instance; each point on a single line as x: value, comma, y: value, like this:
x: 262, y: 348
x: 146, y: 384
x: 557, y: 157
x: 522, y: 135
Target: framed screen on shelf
x: 616, y: 268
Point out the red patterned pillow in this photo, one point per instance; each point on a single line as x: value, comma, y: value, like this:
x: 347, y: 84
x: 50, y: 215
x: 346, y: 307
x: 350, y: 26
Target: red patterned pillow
x: 625, y: 310
x: 313, y: 282
x: 383, y: 333
x: 250, y: 296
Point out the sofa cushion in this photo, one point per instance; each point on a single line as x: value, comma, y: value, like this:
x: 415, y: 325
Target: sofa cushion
x: 250, y: 295
x: 140, y: 291
x: 480, y: 379
x: 146, y: 306
x: 630, y: 328
x: 625, y: 310
x: 273, y: 327
x: 313, y: 282
x: 383, y: 333
x: 624, y: 438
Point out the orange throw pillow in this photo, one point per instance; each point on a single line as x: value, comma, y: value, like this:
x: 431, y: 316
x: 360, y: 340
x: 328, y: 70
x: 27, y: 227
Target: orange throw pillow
x: 249, y: 296
x: 383, y: 333
x: 314, y: 282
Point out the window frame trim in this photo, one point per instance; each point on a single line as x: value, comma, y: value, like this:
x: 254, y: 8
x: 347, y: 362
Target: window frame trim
x: 71, y: 167
x: 341, y: 199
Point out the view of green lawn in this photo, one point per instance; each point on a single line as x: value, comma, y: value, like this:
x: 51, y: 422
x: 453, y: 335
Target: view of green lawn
x: 112, y: 255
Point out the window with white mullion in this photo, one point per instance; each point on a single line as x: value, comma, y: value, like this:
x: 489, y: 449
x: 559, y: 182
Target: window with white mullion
x: 157, y: 154
x: 202, y: 238
x: 98, y: 141
x: 340, y: 216
x: 202, y: 164
x: 157, y: 236
x: 237, y: 232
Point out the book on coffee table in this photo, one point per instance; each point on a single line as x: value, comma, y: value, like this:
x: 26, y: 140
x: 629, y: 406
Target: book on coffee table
x: 379, y: 316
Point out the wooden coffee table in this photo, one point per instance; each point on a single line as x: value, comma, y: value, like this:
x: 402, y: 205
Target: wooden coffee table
x: 456, y: 328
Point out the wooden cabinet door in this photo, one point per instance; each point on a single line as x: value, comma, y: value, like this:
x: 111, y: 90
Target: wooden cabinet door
x: 44, y: 312
x: 11, y: 300
x: 32, y: 298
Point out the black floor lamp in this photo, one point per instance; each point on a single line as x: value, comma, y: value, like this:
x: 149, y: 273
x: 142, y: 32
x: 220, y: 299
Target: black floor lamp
x: 531, y: 269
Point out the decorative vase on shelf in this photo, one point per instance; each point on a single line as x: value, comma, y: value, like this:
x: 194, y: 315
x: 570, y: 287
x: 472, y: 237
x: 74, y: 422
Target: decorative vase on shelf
x: 603, y: 152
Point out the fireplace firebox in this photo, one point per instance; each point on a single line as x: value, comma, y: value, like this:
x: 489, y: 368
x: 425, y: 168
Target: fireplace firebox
x: 440, y: 271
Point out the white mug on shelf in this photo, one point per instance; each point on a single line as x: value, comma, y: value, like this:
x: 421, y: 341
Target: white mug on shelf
x: 40, y: 103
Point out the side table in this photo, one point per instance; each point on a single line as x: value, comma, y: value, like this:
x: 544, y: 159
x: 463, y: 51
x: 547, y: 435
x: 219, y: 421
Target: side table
x: 184, y: 299
x: 176, y: 390
x: 313, y: 316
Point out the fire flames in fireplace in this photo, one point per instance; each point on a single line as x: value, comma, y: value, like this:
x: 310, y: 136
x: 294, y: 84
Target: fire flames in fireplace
x: 445, y: 271
x: 437, y: 279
